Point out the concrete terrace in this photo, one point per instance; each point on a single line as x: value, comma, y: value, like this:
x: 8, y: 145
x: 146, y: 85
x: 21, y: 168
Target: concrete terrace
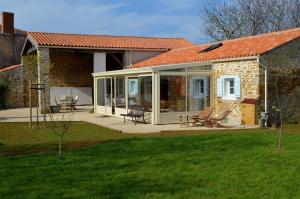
x: 83, y: 114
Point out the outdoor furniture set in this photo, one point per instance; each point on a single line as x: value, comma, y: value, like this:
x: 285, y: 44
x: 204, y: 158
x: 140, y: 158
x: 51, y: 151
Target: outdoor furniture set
x: 204, y: 118
x: 66, y: 103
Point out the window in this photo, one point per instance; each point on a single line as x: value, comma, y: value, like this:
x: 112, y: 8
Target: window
x: 228, y: 87
x: 198, y: 87
x: 132, y: 87
x: 100, y: 92
x: 108, y: 89
x: 147, y: 94
x: 120, y: 92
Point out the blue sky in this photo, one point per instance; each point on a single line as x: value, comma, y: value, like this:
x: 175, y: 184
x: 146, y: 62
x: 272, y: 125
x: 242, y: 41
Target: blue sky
x: 162, y: 18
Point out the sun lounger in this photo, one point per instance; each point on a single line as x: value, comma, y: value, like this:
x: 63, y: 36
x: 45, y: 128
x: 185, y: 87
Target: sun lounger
x: 203, y: 116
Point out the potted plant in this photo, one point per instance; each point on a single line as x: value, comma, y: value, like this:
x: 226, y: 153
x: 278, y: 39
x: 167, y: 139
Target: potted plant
x: 274, y: 117
x: 262, y: 116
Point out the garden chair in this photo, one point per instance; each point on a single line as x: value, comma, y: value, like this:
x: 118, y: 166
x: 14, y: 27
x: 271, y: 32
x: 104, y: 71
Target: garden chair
x: 203, y: 116
x: 56, y: 108
x: 215, y: 122
x: 56, y: 102
x: 74, y: 103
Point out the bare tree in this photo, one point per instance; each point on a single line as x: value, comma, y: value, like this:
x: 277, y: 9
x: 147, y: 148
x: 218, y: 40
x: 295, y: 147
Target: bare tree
x: 238, y: 18
x: 280, y: 140
x: 294, y: 13
x: 254, y: 17
x: 60, y: 125
x: 222, y: 21
x: 283, y: 64
x: 30, y: 62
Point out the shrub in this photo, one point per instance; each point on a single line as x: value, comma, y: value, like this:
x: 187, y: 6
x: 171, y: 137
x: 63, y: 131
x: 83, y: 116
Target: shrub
x: 292, y: 121
x: 3, y: 88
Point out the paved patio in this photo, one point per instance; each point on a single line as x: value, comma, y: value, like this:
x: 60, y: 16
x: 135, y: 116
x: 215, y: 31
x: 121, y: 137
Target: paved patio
x: 83, y: 114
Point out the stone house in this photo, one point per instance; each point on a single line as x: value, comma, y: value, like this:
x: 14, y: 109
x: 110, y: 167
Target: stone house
x: 223, y: 75
x: 11, y: 44
x: 76, y: 56
x: 11, y: 41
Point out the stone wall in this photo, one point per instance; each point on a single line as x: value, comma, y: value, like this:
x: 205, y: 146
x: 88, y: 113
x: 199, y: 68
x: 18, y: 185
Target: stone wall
x: 248, y: 71
x: 283, y: 65
x: 71, y: 68
x: 10, y: 48
x: 14, y: 97
x: 43, y: 75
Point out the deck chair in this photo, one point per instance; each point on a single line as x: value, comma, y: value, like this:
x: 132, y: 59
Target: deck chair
x: 215, y: 122
x: 74, y: 103
x: 56, y: 109
x: 203, y: 116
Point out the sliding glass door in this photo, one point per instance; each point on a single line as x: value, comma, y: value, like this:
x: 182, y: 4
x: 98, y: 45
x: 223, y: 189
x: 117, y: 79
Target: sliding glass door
x: 104, y: 96
x: 198, y: 97
x: 182, y: 94
x: 140, y: 94
x: 173, y: 98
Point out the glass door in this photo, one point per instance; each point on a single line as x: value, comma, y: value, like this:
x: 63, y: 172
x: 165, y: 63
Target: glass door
x: 108, y: 96
x: 100, y: 94
x: 198, y: 93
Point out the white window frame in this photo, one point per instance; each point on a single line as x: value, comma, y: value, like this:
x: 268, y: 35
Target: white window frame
x: 224, y: 88
x: 227, y: 88
x: 193, y: 84
x: 133, y: 85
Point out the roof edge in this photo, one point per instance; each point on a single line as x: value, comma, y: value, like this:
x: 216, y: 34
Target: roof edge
x: 259, y: 35
x: 107, y: 35
x: 7, y: 68
x: 203, y: 61
x: 101, y: 48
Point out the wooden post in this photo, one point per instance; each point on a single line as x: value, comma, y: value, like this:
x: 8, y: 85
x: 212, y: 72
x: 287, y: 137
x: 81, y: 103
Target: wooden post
x: 30, y: 106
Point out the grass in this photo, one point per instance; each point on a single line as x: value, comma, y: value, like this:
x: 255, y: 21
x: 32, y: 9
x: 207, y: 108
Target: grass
x: 18, y: 138
x: 227, y: 164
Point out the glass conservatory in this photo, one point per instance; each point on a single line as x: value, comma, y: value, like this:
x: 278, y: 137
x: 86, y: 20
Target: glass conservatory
x: 164, y: 92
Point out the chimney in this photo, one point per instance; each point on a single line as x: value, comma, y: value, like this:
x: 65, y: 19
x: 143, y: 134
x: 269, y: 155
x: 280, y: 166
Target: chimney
x: 7, y: 22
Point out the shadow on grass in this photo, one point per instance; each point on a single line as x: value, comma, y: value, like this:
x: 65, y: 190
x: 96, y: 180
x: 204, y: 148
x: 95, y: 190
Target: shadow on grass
x: 49, y: 148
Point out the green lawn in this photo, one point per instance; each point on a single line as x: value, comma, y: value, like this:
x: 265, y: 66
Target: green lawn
x: 18, y: 138
x: 217, y: 164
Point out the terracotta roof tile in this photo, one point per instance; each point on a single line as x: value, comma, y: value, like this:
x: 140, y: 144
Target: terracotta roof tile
x: 10, y: 68
x: 106, y: 41
x: 242, y: 47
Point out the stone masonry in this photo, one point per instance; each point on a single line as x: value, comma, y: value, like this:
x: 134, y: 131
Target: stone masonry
x: 248, y: 71
x: 14, y: 96
x: 10, y: 48
x: 283, y: 65
x: 71, y: 68
x: 43, y: 75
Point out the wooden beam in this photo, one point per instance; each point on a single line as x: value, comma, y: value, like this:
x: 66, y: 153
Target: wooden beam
x: 115, y: 58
